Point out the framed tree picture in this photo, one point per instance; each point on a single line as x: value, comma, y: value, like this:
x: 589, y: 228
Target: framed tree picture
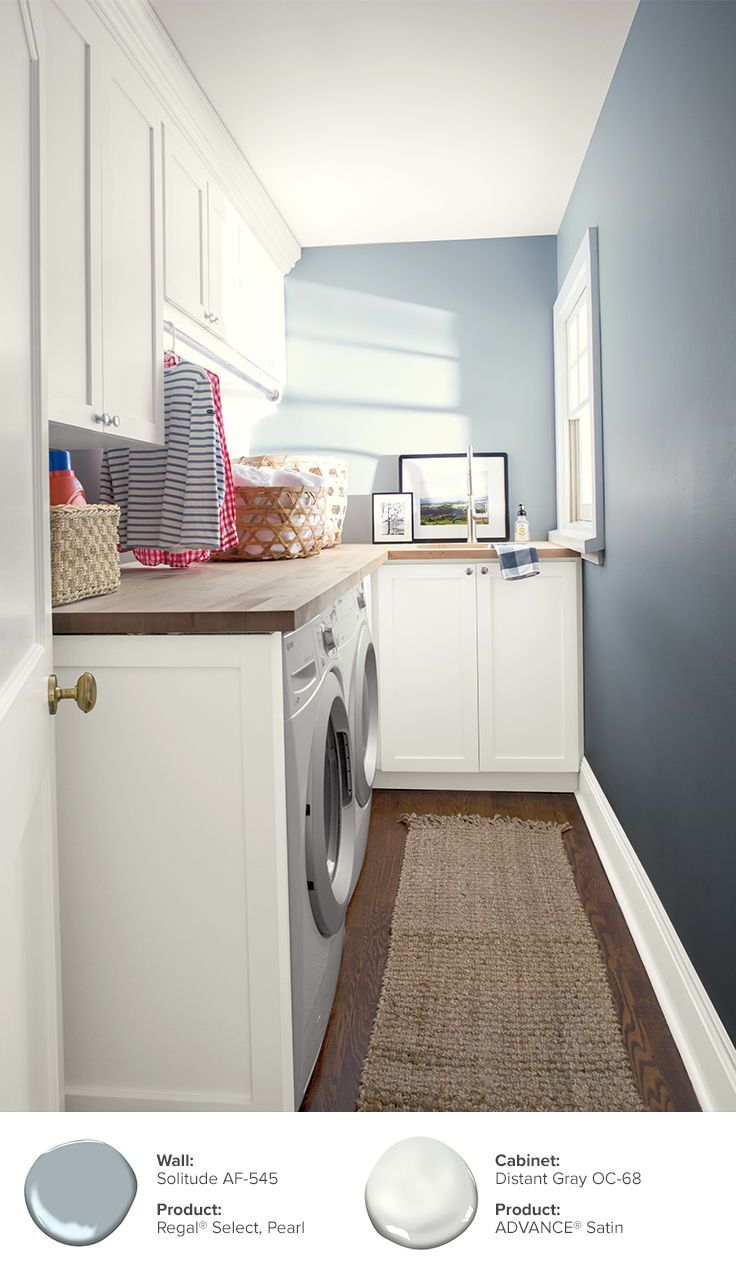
x: 438, y: 484
x: 392, y: 517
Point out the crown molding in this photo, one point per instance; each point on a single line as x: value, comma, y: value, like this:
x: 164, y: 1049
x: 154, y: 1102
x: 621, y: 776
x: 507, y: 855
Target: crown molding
x: 140, y: 34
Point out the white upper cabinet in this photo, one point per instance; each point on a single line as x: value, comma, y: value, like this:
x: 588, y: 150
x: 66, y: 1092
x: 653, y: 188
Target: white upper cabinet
x: 103, y: 188
x: 71, y: 59
x: 217, y: 271
x: 132, y: 313
x: 143, y: 223
x: 428, y: 683
x: 185, y: 227
x: 529, y: 669
x: 246, y: 289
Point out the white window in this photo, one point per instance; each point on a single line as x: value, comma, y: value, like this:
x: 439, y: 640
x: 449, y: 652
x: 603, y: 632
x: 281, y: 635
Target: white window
x: 578, y: 404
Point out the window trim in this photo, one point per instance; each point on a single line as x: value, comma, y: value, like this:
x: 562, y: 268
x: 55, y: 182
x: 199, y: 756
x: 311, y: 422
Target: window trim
x: 585, y: 537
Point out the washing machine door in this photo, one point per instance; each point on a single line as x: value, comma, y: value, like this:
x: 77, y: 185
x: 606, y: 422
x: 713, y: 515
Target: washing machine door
x: 364, y: 719
x: 330, y: 814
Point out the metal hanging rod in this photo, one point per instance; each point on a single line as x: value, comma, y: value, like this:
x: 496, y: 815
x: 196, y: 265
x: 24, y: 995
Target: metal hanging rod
x: 271, y: 394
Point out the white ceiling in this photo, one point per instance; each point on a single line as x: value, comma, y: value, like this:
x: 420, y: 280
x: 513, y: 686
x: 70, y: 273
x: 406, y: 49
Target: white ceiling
x: 372, y: 121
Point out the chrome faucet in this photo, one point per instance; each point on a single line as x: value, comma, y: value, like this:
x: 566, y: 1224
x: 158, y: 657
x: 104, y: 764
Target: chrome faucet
x: 472, y: 538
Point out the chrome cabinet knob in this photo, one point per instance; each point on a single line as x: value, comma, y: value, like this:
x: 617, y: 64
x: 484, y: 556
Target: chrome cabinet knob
x: 215, y: 318
x: 468, y: 571
x: 484, y: 571
x: 103, y: 418
x: 115, y: 420
x: 328, y: 638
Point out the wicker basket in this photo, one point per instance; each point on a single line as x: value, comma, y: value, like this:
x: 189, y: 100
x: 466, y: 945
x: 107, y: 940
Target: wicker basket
x: 84, y: 552
x: 278, y: 522
x: 336, y: 491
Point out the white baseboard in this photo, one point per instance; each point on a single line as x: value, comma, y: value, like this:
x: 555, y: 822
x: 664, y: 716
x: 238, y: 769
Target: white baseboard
x: 704, y: 1044
x: 496, y: 781
x: 92, y: 1098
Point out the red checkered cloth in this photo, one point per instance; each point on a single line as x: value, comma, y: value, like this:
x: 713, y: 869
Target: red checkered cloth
x: 228, y: 531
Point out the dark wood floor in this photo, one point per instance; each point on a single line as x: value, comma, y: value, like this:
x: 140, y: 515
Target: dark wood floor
x: 660, y: 1074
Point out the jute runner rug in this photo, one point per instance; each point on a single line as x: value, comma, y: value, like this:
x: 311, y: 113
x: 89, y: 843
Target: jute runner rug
x: 495, y: 995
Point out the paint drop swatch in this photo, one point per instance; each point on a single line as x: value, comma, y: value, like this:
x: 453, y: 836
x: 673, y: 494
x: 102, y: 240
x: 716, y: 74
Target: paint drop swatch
x: 421, y: 1194
x: 80, y: 1192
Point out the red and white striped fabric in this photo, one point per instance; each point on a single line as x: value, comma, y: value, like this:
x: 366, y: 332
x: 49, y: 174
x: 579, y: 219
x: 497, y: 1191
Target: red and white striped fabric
x: 228, y: 531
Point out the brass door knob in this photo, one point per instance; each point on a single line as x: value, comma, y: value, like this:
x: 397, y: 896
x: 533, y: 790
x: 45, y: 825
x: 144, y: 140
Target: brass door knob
x: 84, y: 693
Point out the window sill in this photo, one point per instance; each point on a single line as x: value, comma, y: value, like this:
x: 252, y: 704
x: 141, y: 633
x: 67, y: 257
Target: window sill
x: 589, y: 547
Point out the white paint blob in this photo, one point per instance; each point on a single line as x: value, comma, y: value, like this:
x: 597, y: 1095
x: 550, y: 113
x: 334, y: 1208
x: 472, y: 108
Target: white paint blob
x: 421, y: 1194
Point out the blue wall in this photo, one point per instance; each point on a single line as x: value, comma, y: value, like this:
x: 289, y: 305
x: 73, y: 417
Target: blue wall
x: 422, y: 347
x: 659, y: 180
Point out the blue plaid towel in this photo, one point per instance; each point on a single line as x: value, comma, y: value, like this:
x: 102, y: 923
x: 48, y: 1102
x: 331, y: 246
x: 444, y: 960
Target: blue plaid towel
x: 518, y: 561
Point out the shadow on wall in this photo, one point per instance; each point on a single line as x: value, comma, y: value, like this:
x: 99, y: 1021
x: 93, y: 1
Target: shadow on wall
x: 370, y: 377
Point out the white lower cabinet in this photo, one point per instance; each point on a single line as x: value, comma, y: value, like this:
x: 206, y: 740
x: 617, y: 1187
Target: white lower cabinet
x: 428, y: 667
x: 529, y: 669
x: 173, y: 875
x: 480, y: 677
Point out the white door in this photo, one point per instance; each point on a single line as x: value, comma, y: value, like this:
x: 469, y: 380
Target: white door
x: 132, y: 257
x: 185, y: 227
x: 427, y: 662
x: 529, y: 669
x: 30, y: 1058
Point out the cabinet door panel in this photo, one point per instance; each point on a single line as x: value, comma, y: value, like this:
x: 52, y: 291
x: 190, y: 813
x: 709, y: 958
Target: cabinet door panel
x: 72, y: 157
x: 185, y: 243
x: 224, y: 258
x: 246, y: 289
x: 131, y: 257
x: 528, y: 674
x: 428, y: 668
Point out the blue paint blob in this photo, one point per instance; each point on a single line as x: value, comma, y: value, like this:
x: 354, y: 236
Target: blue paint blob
x: 80, y: 1192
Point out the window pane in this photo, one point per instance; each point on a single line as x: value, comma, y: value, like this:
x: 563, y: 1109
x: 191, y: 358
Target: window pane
x: 572, y: 389
x: 583, y: 326
x: 572, y: 338
x: 583, y: 379
x: 585, y: 466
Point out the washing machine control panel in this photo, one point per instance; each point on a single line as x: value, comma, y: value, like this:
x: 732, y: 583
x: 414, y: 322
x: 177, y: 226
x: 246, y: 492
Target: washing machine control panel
x: 329, y: 641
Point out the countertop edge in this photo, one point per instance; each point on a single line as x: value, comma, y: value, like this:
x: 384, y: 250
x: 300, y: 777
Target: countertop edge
x: 75, y: 620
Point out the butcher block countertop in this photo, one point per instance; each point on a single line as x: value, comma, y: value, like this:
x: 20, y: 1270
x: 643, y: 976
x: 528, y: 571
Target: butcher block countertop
x: 246, y: 597
x: 222, y: 597
x: 418, y: 552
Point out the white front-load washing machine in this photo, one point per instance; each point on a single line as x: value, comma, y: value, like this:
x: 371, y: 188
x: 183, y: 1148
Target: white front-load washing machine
x: 361, y: 690
x: 320, y: 807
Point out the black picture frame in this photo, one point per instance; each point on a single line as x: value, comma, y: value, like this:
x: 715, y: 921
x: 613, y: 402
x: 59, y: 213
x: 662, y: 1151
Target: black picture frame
x: 417, y: 532
x: 409, y: 518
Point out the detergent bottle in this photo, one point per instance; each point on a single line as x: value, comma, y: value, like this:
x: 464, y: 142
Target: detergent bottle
x: 64, y: 486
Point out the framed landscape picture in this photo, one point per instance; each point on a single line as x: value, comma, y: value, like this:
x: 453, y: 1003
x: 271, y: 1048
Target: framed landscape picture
x: 392, y: 517
x: 439, y: 487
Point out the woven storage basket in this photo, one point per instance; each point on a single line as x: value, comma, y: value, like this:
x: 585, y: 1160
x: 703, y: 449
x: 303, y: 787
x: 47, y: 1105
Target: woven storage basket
x: 336, y: 491
x: 84, y: 552
x: 278, y: 522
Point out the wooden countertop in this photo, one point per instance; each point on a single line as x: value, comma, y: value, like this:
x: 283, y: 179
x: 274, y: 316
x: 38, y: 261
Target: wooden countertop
x: 418, y: 552
x: 222, y: 597
x: 248, y: 597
